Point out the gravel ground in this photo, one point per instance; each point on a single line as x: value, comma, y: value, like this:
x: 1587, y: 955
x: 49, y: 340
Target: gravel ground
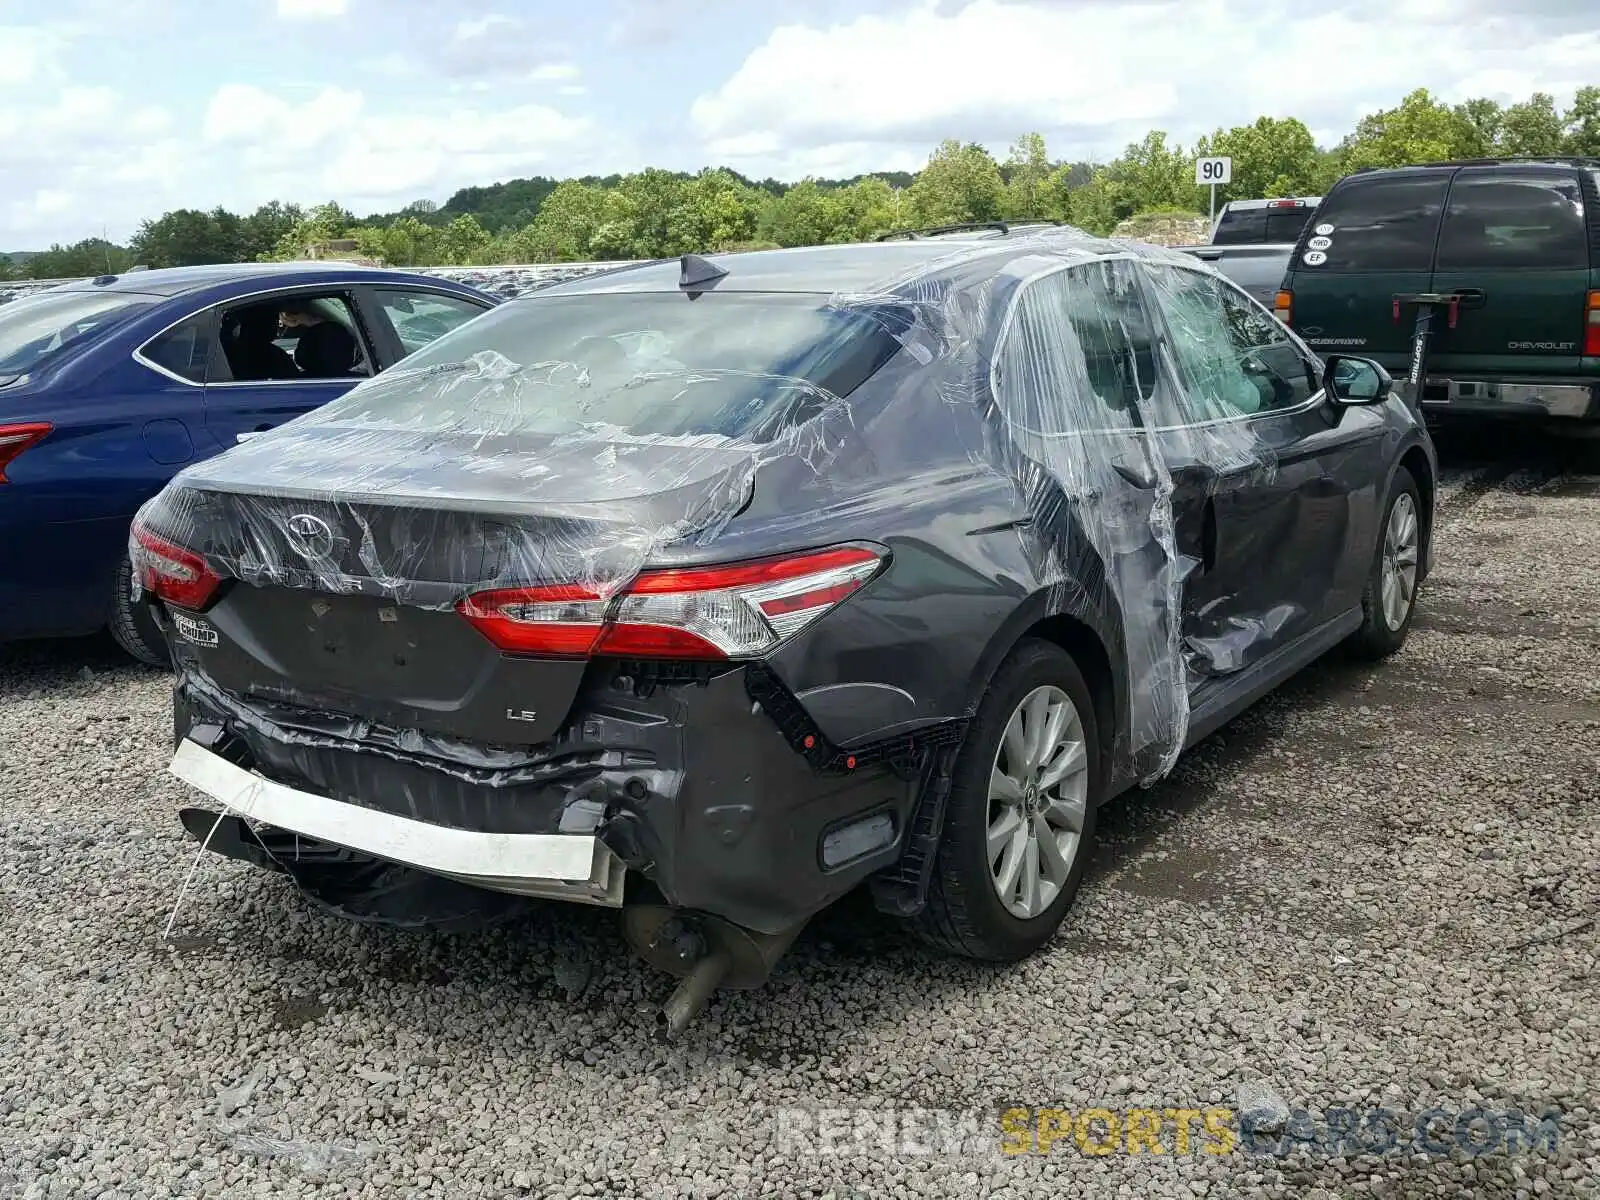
x: 1377, y: 888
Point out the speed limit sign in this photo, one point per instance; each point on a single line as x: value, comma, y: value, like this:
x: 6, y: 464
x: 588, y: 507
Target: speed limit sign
x: 1213, y: 171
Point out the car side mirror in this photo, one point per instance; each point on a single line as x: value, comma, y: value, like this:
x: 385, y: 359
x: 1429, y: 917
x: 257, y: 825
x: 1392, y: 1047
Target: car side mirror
x: 1349, y: 380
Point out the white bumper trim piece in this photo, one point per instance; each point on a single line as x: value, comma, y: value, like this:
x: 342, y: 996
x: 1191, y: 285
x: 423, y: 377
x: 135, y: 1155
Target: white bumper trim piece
x: 553, y: 865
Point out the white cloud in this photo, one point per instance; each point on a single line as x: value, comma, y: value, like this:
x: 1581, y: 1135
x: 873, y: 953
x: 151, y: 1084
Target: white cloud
x: 312, y: 10
x: 556, y: 71
x: 869, y: 91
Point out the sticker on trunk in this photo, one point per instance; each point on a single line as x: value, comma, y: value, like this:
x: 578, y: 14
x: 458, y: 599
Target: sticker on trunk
x: 1314, y: 258
x: 1324, y: 229
x: 193, y: 630
x: 1320, y: 243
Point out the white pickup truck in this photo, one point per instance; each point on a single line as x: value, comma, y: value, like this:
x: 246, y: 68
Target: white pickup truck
x: 1253, y: 240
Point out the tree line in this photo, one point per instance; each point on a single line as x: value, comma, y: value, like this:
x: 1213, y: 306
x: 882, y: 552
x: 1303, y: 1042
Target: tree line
x: 656, y: 213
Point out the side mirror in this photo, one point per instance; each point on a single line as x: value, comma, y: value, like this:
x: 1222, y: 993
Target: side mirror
x: 1349, y: 380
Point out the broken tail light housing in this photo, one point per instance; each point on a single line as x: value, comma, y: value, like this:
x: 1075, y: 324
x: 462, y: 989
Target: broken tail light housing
x: 172, y: 573
x: 1591, y: 329
x: 736, y: 611
x: 14, y: 439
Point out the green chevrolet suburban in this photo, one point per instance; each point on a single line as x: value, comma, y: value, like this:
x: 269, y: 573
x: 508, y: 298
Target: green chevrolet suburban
x: 1501, y: 259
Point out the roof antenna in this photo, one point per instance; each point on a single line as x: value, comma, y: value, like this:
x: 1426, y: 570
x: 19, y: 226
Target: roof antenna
x: 697, y: 274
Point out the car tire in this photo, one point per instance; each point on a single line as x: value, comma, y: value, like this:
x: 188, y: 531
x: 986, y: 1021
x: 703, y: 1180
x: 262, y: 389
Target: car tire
x: 132, y: 626
x: 965, y: 913
x: 1386, y: 613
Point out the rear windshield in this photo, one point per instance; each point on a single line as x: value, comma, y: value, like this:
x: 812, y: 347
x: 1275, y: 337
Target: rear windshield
x: 1514, y: 220
x: 741, y: 366
x: 1260, y: 226
x: 1383, y: 224
x: 37, y: 327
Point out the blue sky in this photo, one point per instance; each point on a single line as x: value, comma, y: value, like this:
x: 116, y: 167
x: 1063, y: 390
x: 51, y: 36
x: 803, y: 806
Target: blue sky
x: 115, y: 110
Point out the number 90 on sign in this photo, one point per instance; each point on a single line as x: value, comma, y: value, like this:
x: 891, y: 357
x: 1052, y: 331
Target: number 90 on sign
x: 1213, y: 171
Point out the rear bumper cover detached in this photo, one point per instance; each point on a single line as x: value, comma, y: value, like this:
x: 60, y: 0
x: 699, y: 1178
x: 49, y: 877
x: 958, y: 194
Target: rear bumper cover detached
x: 691, y: 786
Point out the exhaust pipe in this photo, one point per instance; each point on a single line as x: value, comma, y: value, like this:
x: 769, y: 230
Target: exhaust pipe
x: 688, y: 999
x: 705, y: 952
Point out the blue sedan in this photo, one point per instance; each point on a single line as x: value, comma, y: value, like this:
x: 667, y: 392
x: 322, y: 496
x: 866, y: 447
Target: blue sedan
x: 110, y: 386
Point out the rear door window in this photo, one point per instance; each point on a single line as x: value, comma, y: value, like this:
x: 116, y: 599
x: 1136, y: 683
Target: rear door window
x: 1380, y: 224
x: 1497, y: 220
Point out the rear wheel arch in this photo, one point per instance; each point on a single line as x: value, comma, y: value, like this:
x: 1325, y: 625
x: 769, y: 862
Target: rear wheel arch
x: 1075, y: 625
x: 1415, y: 460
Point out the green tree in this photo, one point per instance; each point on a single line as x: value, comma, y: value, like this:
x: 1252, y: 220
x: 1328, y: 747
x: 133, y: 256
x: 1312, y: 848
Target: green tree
x: 8, y: 269
x: 869, y: 206
x: 464, y: 242
x: 92, y: 256
x: 960, y: 183
x: 564, y: 228
x: 1581, y: 123
x: 1420, y: 130
x: 322, y: 223
x: 1533, y: 127
x: 1486, y: 119
x: 187, y: 237
x: 404, y: 242
x: 808, y: 214
x: 263, y: 229
x: 715, y: 209
x: 1275, y: 156
x: 1027, y: 191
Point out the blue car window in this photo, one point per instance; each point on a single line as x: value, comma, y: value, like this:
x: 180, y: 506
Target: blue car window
x: 37, y: 328
x: 183, y: 349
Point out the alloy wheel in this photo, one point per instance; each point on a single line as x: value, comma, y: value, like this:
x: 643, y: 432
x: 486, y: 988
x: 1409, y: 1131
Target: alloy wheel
x: 1038, y: 792
x: 1398, y: 587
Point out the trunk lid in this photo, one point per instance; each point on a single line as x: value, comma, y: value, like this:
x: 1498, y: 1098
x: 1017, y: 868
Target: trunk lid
x: 352, y: 546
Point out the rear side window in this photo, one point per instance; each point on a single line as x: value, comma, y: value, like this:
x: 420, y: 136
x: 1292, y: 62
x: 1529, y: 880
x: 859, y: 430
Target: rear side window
x: 1498, y: 220
x: 1384, y: 224
x: 183, y: 349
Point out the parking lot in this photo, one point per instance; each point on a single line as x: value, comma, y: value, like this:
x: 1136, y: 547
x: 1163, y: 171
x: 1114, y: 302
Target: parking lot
x: 1378, y: 889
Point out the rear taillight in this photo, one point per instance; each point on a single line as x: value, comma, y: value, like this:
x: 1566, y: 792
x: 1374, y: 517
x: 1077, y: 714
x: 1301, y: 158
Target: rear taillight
x: 1283, y: 306
x: 171, y: 573
x: 736, y: 611
x: 1591, y: 330
x: 14, y: 439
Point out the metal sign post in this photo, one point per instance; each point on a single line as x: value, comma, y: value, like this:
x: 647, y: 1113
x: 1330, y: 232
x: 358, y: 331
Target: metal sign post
x: 1211, y: 172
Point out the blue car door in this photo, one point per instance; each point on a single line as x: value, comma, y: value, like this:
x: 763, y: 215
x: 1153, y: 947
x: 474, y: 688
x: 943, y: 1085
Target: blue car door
x: 259, y: 377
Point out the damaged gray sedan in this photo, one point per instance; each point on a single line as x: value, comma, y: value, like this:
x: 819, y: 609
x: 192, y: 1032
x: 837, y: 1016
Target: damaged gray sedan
x: 713, y: 589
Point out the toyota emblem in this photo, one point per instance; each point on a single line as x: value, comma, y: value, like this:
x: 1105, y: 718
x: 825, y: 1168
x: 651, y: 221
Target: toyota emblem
x: 309, y: 535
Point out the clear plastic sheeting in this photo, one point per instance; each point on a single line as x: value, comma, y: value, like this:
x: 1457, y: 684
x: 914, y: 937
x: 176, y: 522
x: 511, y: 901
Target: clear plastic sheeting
x: 573, y: 438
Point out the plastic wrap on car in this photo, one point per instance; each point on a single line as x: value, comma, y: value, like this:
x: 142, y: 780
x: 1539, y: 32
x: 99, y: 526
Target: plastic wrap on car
x: 430, y: 496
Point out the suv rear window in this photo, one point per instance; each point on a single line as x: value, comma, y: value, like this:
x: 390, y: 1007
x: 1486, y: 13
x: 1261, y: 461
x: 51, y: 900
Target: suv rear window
x: 1385, y: 224
x: 1500, y: 219
x: 736, y: 365
x: 1260, y: 226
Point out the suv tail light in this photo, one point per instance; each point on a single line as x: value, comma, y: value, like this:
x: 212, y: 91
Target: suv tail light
x: 14, y: 439
x: 723, y: 612
x: 1283, y: 306
x: 1591, y: 330
x: 171, y: 573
